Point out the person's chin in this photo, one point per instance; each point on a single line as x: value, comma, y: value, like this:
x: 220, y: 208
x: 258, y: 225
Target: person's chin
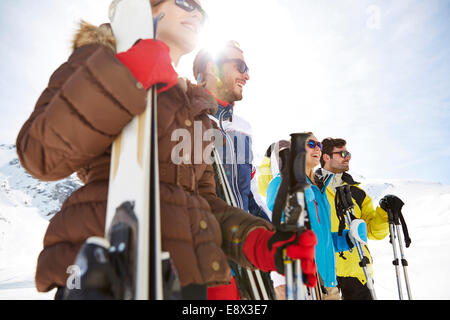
x: 189, y: 45
x: 315, y: 162
x: 188, y: 41
x: 238, y: 95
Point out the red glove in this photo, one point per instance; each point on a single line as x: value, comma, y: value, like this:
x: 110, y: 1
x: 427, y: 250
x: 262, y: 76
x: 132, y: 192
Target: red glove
x: 265, y: 250
x: 149, y: 62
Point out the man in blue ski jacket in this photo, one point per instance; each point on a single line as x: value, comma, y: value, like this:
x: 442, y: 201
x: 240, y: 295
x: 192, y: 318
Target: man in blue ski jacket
x: 224, y: 77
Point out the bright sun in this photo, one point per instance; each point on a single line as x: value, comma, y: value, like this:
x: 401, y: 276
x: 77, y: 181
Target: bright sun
x: 214, y: 34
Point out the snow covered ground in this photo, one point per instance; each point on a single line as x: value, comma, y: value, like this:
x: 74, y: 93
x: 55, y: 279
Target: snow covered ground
x: 25, y: 202
x: 21, y: 234
x: 24, y: 207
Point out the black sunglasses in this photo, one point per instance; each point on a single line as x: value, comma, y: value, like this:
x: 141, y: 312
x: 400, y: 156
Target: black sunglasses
x: 241, y: 65
x: 313, y: 144
x: 343, y: 154
x: 189, y: 6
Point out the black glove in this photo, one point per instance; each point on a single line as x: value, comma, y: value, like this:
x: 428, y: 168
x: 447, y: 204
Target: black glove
x: 391, y: 202
x: 394, y: 204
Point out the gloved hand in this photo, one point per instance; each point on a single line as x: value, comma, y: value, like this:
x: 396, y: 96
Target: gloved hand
x: 149, y: 62
x: 264, y: 249
x: 391, y: 202
x: 357, y: 232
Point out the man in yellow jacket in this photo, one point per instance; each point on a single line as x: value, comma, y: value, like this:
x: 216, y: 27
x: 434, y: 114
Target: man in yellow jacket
x: 351, y: 279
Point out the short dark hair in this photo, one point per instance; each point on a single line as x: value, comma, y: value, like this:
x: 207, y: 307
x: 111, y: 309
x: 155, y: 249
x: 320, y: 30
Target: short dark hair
x: 328, y: 145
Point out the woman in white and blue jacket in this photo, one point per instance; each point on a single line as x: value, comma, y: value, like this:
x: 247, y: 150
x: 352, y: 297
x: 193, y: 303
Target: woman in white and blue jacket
x: 319, y: 215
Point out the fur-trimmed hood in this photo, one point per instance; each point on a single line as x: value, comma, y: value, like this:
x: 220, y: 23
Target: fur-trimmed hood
x: 90, y: 34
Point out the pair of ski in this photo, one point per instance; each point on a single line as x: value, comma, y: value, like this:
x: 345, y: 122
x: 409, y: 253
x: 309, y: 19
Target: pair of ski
x: 133, y: 194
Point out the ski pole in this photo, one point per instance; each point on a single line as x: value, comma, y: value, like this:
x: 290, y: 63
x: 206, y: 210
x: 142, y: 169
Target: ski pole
x: 288, y: 222
x: 345, y: 206
x: 297, y: 186
x: 295, y: 288
x: 289, y: 212
x: 404, y: 262
x: 229, y: 198
x: 395, y: 234
x: 395, y: 262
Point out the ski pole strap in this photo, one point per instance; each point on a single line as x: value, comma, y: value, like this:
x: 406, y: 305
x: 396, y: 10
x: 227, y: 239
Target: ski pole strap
x: 405, y: 230
x: 344, y: 196
x: 396, y: 217
x: 343, y: 202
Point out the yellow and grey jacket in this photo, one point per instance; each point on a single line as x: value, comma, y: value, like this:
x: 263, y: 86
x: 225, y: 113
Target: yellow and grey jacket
x: 347, y: 263
x: 268, y: 170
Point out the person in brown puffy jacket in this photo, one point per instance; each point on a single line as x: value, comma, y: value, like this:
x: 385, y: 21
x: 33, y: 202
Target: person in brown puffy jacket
x: 88, y: 101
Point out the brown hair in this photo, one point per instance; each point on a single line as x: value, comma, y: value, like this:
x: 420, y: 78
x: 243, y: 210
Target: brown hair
x: 328, y: 145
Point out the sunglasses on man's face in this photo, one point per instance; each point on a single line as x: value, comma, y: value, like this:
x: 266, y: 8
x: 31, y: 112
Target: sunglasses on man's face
x: 313, y: 144
x: 343, y: 154
x: 240, y: 64
x: 189, y: 6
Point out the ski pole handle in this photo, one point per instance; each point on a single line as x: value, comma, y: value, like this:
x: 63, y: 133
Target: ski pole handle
x: 344, y: 197
x: 282, y: 194
x: 297, y: 170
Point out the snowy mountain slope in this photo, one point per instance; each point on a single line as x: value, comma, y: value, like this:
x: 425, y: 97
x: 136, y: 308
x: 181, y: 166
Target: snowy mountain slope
x: 46, y: 196
x: 25, y: 206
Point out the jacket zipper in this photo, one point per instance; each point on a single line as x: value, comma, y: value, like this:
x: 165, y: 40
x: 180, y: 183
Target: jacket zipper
x: 317, y: 211
x: 234, y: 170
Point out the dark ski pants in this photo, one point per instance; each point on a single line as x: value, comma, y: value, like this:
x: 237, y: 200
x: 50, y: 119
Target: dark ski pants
x: 353, y: 289
x: 194, y: 292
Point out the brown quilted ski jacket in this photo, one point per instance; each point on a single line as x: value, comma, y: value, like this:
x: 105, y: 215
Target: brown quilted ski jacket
x: 88, y: 101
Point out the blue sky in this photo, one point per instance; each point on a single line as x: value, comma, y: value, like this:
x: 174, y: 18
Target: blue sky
x: 373, y: 72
